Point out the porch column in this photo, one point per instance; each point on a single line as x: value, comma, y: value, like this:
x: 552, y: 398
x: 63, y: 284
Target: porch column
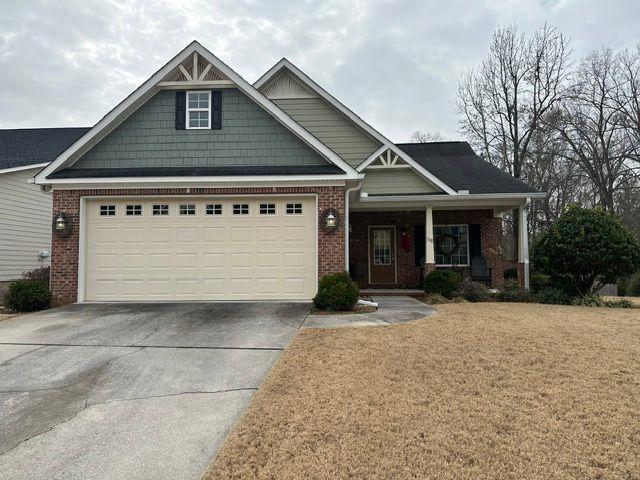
x: 523, y: 245
x: 430, y: 253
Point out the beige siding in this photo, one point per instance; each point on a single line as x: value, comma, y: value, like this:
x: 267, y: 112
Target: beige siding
x: 395, y: 181
x: 330, y: 127
x: 25, y: 216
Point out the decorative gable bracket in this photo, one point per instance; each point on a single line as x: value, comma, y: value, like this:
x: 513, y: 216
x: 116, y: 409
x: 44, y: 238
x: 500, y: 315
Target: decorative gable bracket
x: 195, y: 72
x: 387, y: 159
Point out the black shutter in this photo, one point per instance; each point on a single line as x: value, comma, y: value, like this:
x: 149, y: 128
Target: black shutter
x: 475, y: 242
x: 216, y: 109
x: 418, y: 241
x: 181, y: 110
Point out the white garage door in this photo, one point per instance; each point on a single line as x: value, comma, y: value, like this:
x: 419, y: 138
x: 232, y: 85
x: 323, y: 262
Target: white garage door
x: 200, y: 248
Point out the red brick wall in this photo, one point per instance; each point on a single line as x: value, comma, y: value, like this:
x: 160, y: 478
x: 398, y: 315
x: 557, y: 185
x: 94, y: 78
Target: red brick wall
x: 408, y: 273
x: 64, y: 251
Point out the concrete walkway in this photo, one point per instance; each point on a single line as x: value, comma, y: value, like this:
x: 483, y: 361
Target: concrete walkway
x: 391, y: 309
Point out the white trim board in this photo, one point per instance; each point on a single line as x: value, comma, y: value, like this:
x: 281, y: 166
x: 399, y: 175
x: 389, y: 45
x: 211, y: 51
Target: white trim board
x: 22, y: 167
x: 149, y: 88
x: 286, y: 64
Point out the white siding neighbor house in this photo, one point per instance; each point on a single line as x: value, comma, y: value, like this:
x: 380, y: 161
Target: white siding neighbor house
x: 26, y: 211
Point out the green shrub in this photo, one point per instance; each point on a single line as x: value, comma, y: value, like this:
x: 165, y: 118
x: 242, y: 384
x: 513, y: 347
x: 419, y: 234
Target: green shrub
x: 336, y: 292
x: 39, y: 274
x: 27, y: 296
x: 592, y: 300
x: 510, y: 273
x: 620, y: 303
x: 539, y: 282
x: 512, y: 292
x: 444, y: 282
x: 434, y: 299
x: 553, y: 296
x: 473, y: 291
x: 584, y: 249
x: 633, y: 289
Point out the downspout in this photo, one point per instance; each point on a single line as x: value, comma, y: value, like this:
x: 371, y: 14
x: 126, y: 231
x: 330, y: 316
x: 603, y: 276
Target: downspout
x: 346, y: 222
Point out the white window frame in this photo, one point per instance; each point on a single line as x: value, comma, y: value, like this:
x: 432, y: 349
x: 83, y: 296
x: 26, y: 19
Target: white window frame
x: 216, y: 210
x: 239, y: 209
x: 162, y: 209
x: 267, y: 206
x: 208, y: 110
x: 187, y: 209
x: 293, y: 207
x: 133, y: 210
x: 468, y: 246
x: 107, y: 210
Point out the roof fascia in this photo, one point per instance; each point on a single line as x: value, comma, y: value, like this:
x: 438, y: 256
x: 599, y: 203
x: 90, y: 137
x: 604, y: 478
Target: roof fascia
x: 145, y: 91
x: 284, y: 63
x: 22, y: 167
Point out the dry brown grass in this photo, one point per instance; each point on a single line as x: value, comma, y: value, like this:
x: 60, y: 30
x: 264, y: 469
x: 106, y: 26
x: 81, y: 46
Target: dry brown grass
x: 481, y: 391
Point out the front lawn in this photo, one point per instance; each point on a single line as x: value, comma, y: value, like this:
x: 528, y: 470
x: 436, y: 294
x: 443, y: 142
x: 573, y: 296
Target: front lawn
x: 480, y: 391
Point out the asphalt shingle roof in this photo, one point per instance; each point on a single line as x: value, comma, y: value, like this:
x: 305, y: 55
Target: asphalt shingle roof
x: 31, y: 146
x: 457, y: 165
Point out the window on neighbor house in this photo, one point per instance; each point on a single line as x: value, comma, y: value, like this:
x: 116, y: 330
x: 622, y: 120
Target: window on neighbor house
x: 451, y: 244
x: 198, y: 110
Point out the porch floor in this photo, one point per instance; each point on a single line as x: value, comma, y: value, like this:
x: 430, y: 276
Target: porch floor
x: 391, y: 291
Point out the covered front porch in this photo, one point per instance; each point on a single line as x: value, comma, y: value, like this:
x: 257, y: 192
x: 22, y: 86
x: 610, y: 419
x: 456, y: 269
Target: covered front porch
x: 396, y: 248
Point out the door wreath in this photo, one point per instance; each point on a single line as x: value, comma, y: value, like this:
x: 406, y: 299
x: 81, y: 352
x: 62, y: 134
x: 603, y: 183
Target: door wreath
x: 446, y: 244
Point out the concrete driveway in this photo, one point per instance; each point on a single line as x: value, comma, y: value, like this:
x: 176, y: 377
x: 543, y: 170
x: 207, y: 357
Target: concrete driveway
x: 131, y: 390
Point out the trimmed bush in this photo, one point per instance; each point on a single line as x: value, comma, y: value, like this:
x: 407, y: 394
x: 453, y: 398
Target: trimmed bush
x: 511, y: 292
x: 510, y: 273
x: 443, y: 282
x: 336, y: 292
x: 553, y: 296
x: 473, y: 291
x: 28, y: 296
x: 539, y: 282
x: 584, y: 249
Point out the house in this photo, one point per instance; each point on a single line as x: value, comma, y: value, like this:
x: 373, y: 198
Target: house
x: 202, y: 186
x: 25, y: 211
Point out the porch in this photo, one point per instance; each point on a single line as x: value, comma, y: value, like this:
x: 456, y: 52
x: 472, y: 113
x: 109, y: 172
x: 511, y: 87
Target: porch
x: 395, y: 249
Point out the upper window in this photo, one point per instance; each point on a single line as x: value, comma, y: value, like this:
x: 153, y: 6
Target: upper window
x: 198, y: 110
x: 214, y: 209
x: 267, y: 209
x: 161, y: 209
x: 134, y: 210
x: 451, y: 244
x: 241, y: 209
x: 188, y: 209
x: 107, y: 210
x: 293, y: 208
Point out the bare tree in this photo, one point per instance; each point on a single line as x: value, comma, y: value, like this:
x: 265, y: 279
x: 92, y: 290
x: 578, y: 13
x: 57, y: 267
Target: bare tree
x: 628, y: 98
x: 425, y: 136
x: 593, y: 125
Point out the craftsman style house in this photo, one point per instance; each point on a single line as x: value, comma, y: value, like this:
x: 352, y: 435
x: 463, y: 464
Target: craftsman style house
x: 201, y: 186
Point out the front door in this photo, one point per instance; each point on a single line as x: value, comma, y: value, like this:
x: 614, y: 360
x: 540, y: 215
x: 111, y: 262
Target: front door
x: 382, y: 255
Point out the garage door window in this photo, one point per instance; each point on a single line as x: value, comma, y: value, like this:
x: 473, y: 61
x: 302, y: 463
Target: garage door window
x: 134, y: 210
x: 161, y: 209
x: 107, y: 210
x: 214, y: 209
x: 294, y: 208
x: 267, y: 209
x: 188, y: 209
x: 241, y: 209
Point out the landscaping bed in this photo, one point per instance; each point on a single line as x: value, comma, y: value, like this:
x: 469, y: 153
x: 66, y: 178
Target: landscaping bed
x: 482, y: 390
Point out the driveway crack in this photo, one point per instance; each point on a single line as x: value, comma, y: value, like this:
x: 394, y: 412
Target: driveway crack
x: 191, y: 392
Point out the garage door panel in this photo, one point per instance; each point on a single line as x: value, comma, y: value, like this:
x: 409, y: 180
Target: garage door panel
x: 200, y: 257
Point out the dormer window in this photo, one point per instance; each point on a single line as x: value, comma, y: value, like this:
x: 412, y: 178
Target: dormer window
x: 198, y: 110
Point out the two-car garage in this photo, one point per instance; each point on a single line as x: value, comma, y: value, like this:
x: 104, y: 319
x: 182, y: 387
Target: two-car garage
x: 198, y: 248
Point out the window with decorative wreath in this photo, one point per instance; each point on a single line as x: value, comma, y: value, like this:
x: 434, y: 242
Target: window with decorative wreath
x: 451, y: 244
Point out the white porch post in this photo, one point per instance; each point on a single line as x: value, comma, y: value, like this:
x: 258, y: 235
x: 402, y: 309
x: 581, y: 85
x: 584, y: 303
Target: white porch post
x: 523, y: 242
x: 430, y: 253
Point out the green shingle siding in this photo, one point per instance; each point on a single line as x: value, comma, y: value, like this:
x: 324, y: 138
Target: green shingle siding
x: 330, y: 127
x: 395, y: 181
x: 249, y: 136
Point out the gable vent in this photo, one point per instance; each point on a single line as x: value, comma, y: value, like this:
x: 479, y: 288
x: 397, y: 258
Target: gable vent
x: 287, y: 85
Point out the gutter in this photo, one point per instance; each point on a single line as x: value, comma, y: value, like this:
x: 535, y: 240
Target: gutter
x: 453, y: 198
x: 346, y: 221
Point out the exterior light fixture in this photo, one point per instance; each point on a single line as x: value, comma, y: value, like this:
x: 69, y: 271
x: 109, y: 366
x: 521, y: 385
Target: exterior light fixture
x: 62, y: 224
x: 331, y: 220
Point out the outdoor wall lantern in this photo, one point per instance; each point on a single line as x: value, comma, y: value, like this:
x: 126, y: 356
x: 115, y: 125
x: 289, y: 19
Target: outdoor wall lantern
x: 62, y: 224
x: 331, y: 220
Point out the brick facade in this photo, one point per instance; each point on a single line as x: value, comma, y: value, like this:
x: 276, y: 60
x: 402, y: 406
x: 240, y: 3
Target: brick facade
x: 64, y: 251
x: 408, y: 274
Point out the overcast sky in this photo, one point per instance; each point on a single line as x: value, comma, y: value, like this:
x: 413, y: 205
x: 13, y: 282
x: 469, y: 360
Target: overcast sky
x: 395, y: 63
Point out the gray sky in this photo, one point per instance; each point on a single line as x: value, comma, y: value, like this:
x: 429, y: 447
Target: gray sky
x: 395, y: 63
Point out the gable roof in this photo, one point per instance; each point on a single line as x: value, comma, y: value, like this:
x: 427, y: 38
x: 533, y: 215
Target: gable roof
x: 25, y: 147
x: 150, y: 88
x: 458, y: 165
x: 284, y: 64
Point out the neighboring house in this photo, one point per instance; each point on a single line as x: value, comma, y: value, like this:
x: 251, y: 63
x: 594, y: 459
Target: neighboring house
x: 201, y: 186
x: 25, y: 211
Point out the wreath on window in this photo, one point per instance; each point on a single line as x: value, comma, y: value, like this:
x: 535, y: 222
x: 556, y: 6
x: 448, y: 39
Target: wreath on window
x: 446, y: 244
